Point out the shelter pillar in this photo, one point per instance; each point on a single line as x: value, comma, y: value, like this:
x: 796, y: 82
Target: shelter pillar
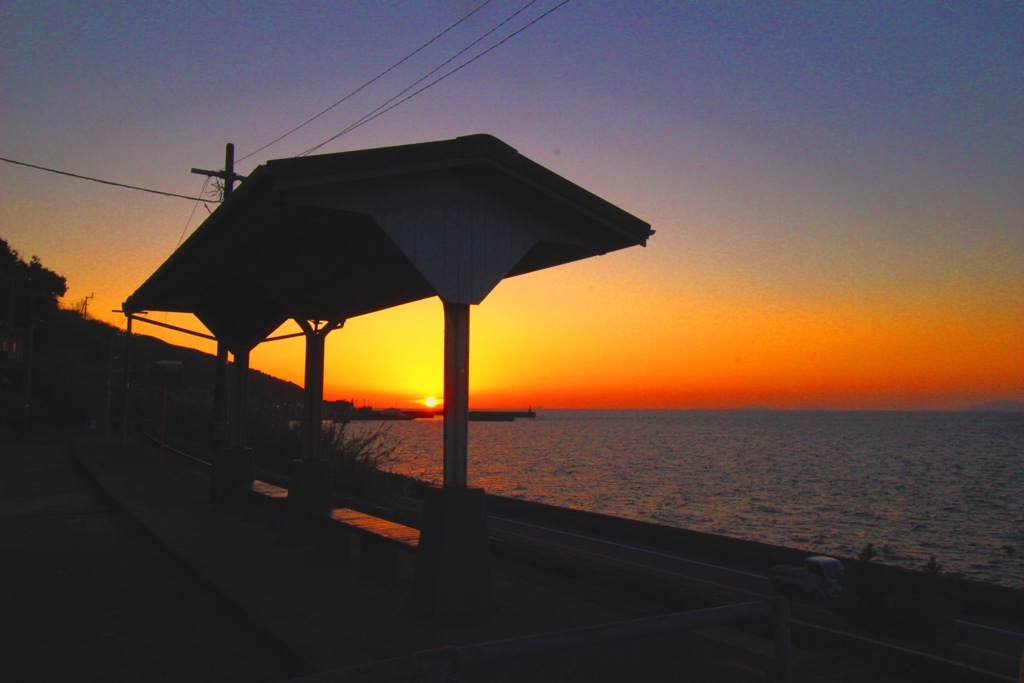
x: 125, y: 397
x: 314, y: 399
x: 453, y: 566
x: 311, y: 487
x: 240, y: 379
x: 221, y: 427
x: 220, y: 396
x: 316, y: 341
x: 233, y: 462
x: 456, y: 394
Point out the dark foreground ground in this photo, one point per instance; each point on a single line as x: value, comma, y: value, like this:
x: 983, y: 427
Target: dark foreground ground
x: 129, y: 574
x: 88, y: 595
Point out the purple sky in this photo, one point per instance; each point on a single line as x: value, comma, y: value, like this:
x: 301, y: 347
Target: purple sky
x: 850, y: 167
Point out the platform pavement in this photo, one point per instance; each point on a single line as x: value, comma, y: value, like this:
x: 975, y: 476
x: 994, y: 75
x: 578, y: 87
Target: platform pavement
x: 87, y: 595
x: 311, y: 601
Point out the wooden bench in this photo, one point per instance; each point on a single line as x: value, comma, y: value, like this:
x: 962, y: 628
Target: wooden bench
x: 382, y: 543
x: 267, y: 490
x: 268, y: 497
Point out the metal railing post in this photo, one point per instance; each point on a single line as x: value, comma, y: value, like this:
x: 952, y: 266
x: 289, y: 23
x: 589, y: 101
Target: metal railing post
x: 783, y: 649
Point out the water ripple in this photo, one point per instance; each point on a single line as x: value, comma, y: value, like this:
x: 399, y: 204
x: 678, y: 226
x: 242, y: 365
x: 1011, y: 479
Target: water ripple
x: 916, y: 485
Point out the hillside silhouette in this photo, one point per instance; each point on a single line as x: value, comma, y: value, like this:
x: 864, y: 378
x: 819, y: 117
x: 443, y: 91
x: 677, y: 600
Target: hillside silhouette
x: 79, y: 362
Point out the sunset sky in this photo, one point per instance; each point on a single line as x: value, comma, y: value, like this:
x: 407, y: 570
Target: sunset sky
x: 837, y: 187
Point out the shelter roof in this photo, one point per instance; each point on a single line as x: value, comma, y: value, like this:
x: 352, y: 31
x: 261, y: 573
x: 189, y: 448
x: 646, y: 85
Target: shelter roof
x: 335, y: 236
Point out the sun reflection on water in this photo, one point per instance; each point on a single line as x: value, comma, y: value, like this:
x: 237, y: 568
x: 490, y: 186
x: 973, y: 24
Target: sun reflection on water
x: 916, y: 485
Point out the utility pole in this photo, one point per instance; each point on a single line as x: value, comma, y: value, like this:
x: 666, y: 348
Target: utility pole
x: 221, y: 435
x: 85, y: 305
x: 228, y: 175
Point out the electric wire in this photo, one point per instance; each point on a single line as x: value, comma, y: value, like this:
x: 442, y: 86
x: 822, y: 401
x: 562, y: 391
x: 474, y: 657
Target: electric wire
x: 195, y: 206
x: 379, y: 111
x: 370, y: 116
x: 384, y: 108
x: 369, y: 82
x: 104, y: 182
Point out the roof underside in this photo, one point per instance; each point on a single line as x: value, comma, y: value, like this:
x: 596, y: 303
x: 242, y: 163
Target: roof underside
x: 336, y: 236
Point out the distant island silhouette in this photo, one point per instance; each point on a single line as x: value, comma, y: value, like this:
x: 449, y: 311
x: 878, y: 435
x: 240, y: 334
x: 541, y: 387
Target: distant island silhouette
x: 998, y: 407
x: 1001, y: 406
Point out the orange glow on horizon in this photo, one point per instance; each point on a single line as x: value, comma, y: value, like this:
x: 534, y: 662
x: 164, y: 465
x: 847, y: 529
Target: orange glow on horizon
x: 574, y: 338
x: 657, y: 357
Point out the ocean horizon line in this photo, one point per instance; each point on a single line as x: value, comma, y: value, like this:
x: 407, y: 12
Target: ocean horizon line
x: 1007, y: 407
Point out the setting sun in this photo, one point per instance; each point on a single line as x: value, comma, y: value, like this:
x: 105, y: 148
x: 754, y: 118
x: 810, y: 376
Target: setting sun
x: 430, y: 402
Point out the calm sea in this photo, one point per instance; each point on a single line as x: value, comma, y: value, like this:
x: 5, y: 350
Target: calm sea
x: 915, y: 484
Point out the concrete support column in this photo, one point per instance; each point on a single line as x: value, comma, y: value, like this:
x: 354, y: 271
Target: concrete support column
x: 310, y: 495
x: 314, y: 392
x: 783, y: 647
x: 220, y: 395
x: 221, y: 435
x: 240, y: 379
x: 312, y: 416
x: 125, y: 398
x: 456, y: 394
x: 453, y: 566
x: 311, y: 480
x: 235, y: 472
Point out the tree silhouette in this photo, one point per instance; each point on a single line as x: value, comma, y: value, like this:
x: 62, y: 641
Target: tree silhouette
x: 31, y: 289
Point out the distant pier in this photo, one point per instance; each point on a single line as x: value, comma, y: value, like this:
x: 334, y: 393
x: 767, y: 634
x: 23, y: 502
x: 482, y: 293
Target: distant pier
x: 366, y: 414
x: 500, y: 415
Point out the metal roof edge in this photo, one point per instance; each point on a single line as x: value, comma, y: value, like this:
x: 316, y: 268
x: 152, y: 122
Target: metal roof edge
x: 479, y: 148
x: 253, y: 184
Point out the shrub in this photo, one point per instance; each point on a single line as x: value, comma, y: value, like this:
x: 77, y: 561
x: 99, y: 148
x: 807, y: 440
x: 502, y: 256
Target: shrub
x: 362, y: 459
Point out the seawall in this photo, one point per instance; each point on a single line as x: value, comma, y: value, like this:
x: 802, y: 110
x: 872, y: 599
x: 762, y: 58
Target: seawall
x: 983, y: 598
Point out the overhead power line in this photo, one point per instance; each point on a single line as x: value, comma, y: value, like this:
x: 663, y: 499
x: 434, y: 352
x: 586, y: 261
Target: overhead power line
x: 368, y: 83
x: 105, y: 182
x: 194, y: 207
x: 380, y: 109
x: 384, y: 108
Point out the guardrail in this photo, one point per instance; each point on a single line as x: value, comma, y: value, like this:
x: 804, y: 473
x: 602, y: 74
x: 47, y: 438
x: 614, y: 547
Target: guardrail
x: 438, y: 665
